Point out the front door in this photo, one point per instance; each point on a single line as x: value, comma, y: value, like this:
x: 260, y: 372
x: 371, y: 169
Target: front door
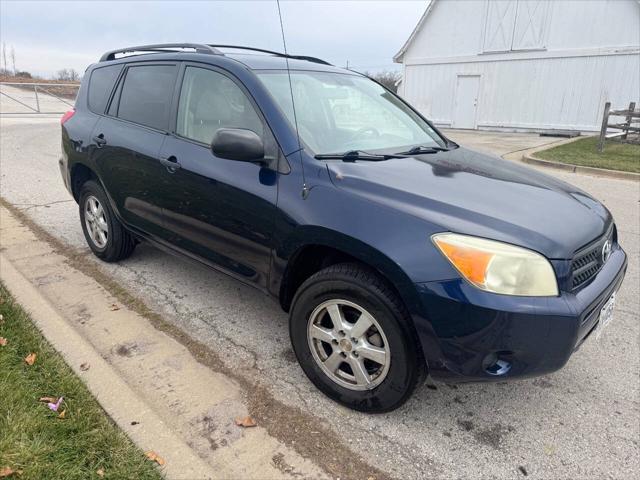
x: 466, y: 101
x: 217, y: 209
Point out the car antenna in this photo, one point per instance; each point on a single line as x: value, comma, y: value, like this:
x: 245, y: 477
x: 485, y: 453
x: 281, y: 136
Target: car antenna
x: 305, y: 190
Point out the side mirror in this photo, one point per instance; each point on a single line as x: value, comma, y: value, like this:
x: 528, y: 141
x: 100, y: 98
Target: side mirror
x: 238, y: 144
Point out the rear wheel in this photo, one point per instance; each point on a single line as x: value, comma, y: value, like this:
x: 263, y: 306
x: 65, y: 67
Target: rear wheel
x: 354, y: 339
x: 104, y: 234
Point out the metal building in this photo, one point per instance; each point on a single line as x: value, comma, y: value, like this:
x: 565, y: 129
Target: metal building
x: 529, y: 65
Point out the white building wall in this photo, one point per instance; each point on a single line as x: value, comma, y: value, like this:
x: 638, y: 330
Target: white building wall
x: 580, y: 54
x: 538, y: 94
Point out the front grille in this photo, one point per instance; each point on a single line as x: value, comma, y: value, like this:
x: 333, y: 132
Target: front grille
x: 588, y: 261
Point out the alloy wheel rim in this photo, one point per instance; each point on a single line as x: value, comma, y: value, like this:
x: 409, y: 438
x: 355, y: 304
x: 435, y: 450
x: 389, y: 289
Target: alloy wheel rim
x: 96, y: 222
x: 348, y: 344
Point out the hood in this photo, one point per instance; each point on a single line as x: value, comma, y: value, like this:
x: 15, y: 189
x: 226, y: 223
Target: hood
x: 467, y: 192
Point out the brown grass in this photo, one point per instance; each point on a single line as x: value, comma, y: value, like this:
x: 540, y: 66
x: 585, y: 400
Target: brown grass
x: 64, y: 91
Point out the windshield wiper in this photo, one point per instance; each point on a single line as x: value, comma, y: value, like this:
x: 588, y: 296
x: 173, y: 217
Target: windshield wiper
x: 353, y: 155
x: 423, y: 149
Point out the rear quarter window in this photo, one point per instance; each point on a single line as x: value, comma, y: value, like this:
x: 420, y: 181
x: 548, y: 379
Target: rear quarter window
x: 100, y: 86
x: 146, y: 95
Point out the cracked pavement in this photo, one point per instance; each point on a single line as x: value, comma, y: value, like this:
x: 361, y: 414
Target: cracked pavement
x: 580, y: 422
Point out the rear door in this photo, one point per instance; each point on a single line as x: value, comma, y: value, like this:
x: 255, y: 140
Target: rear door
x: 127, y: 142
x: 220, y: 210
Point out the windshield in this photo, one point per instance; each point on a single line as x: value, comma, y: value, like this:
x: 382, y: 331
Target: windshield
x: 341, y: 112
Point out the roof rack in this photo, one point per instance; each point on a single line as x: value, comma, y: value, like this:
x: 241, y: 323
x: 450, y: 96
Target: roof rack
x: 162, y: 47
x: 201, y: 48
x: 277, y: 54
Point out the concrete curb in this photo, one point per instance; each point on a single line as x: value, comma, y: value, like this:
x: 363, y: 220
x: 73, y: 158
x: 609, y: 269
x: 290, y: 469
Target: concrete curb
x: 530, y: 158
x: 601, y: 172
x: 113, y: 393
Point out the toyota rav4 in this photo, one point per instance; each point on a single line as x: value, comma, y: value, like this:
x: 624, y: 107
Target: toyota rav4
x: 397, y: 253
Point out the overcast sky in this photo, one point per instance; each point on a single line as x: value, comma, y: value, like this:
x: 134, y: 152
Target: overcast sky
x: 49, y: 36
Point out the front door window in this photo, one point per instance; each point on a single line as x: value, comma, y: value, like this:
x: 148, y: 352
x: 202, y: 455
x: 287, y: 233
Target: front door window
x: 208, y: 101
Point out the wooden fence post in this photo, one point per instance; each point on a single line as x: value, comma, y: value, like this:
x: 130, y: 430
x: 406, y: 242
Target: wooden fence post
x: 632, y: 107
x: 603, y: 130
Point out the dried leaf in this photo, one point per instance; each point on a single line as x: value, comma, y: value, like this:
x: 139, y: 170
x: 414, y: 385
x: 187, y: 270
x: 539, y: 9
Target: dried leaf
x: 245, y: 422
x: 100, y: 472
x: 49, y: 399
x: 84, y: 366
x: 30, y: 359
x: 114, y: 307
x: 8, y: 472
x: 3, y: 341
x: 154, y: 457
x: 62, y: 414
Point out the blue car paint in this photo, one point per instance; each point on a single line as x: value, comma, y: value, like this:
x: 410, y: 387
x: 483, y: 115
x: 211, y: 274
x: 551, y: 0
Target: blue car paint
x: 381, y: 213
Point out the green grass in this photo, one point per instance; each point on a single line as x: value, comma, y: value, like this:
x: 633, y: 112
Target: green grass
x: 584, y: 152
x: 32, y: 437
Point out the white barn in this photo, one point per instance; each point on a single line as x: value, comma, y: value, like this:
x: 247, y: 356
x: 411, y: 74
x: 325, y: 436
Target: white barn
x: 522, y: 65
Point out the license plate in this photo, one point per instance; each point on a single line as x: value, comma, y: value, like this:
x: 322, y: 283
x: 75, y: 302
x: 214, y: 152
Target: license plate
x: 606, y: 315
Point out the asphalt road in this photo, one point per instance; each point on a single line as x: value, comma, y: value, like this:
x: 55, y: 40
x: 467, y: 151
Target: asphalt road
x: 581, y: 422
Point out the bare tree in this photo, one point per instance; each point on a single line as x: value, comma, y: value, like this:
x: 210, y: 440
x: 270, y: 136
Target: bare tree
x: 13, y: 59
x: 68, y: 74
x: 388, y: 78
x: 62, y: 74
x: 4, y: 56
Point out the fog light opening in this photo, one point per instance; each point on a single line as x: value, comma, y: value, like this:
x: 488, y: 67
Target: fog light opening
x: 495, y: 365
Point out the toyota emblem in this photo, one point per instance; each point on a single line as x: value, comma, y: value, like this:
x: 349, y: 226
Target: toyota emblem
x: 606, y: 251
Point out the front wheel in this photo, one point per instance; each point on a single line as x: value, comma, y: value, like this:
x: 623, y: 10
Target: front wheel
x: 354, y: 339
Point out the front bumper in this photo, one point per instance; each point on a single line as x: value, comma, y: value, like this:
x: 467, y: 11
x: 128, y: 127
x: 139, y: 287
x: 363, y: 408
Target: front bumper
x: 462, y: 329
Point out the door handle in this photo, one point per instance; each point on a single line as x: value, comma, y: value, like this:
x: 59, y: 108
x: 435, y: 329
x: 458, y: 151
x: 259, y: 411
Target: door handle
x: 99, y: 140
x: 171, y: 163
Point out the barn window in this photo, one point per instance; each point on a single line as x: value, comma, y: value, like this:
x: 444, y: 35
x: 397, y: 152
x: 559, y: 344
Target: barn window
x: 515, y: 25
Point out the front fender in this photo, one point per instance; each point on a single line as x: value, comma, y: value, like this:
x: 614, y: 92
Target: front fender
x: 394, y: 243
x: 313, y: 235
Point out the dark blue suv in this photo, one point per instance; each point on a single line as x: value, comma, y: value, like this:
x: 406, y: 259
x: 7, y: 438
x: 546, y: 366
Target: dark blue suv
x: 397, y: 253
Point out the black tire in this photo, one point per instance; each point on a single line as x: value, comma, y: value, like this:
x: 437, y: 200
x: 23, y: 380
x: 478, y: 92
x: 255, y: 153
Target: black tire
x: 119, y: 242
x: 364, y: 287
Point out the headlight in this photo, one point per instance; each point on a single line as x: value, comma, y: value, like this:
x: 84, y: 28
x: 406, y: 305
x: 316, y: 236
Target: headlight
x: 498, y: 267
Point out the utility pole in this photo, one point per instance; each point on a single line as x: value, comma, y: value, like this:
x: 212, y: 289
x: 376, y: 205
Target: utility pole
x: 347, y: 64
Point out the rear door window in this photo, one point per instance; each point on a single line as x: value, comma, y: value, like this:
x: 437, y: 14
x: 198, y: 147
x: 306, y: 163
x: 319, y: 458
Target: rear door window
x: 146, y: 95
x: 210, y: 100
x: 100, y: 86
